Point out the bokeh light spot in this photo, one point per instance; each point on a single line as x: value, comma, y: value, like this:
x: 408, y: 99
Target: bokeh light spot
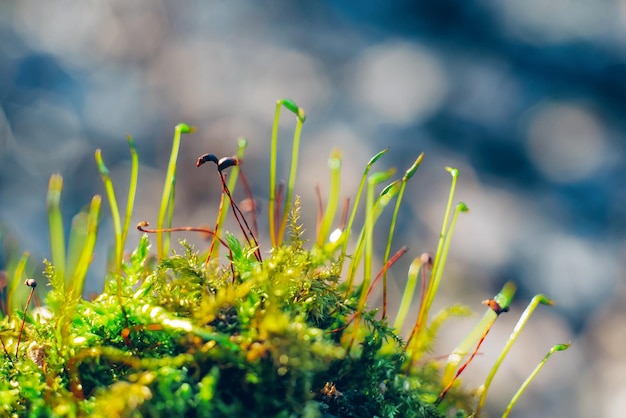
x: 566, y: 142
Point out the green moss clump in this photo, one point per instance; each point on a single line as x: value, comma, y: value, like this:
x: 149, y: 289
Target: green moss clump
x: 283, y: 333
x: 192, y: 341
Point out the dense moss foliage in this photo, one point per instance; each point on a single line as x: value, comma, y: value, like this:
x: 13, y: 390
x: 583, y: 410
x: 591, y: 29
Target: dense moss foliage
x: 236, y: 330
x: 270, y: 339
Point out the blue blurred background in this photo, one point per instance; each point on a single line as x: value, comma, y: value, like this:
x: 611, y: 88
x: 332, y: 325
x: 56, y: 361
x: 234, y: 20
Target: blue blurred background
x: 526, y: 97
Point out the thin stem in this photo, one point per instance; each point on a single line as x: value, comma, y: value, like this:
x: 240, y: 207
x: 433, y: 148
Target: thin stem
x: 170, y: 216
x: 143, y: 227
x: 121, y: 232
x: 170, y: 181
x: 371, y: 214
x: 533, y: 374
x: 358, y: 313
x: 55, y: 225
x: 250, y: 202
x: 521, y: 323
x: 407, y: 175
x: 246, y: 186
x: 386, y: 267
x: 78, y: 277
x: 115, y: 213
x: 32, y: 284
x: 212, y: 247
x: 443, y: 255
x: 344, y: 214
x: 223, y: 164
x: 370, y: 220
x: 252, y: 241
x: 442, y: 237
x: 232, y: 182
x: 471, y: 357
x: 292, y: 179
x: 320, y: 209
x: 392, y: 227
x: 348, y: 229
x: 407, y: 296
x: 433, y: 285
x: 504, y: 299
x: 334, y: 162
x: 420, y: 317
x: 132, y: 188
x: 382, y: 201
x: 273, y: 159
x: 279, y: 198
x: 15, y: 281
x: 276, y: 236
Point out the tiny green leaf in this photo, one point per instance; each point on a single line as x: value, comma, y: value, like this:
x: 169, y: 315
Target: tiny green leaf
x: 293, y: 107
x: 413, y: 169
x: 375, y: 158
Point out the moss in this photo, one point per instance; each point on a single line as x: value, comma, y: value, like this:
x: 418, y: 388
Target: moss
x: 192, y: 334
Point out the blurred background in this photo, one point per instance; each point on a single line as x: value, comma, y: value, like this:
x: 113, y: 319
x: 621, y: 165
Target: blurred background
x: 526, y: 97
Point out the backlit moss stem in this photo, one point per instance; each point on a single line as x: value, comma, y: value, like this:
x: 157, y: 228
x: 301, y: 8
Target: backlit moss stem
x: 132, y: 188
x: 55, y: 225
x: 167, y: 198
x: 407, y: 295
x: 370, y: 219
x: 521, y: 323
x: 334, y: 162
x: 232, y: 183
x: 381, y: 202
x: 394, y: 219
x: 15, y: 281
x: 504, y: 299
x: 115, y: 213
x: 276, y: 234
x: 348, y: 230
x: 533, y: 374
x: 433, y: 285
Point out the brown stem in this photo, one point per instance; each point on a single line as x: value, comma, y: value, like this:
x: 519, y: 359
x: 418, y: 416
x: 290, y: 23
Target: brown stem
x: 427, y: 261
x: 344, y: 214
x: 251, y: 199
x: 32, y: 284
x: 141, y: 226
x: 320, y: 207
x: 467, y: 362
